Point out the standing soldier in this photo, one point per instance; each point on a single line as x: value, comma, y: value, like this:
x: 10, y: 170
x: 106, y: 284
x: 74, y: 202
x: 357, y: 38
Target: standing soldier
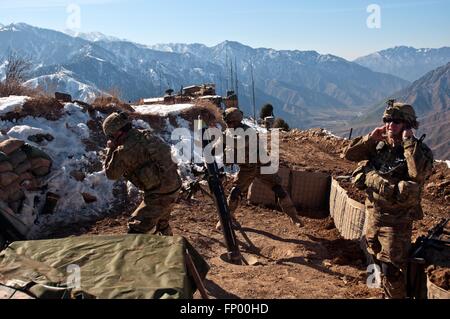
x: 393, y: 174
x: 146, y: 161
x: 249, y: 171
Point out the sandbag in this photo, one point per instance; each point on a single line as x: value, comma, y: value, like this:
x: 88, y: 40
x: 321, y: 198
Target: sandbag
x: 40, y: 171
x: 11, y: 145
x: 16, y: 206
x: 24, y: 177
x: 40, y: 162
x: 15, y: 192
x: 3, y: 157
x: 28, y: 181
x: 6, y: 167
x: 17, y: 157
x: 22, y: 167
x: 40, y: 166
x: 3, y: 195
x: 34, y: 152
x: 7, y: 178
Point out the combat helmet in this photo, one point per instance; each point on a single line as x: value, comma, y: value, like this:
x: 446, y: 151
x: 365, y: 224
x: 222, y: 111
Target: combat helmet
x: 401, y: 111
x: 114, y: 123
x: 233, y: 114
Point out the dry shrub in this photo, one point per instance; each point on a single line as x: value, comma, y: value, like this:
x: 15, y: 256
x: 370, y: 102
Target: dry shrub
x: 40, y: 106
x: 8, y: 88
x: 207, y: 111
x: 43, y: 106
x: 110, y: 104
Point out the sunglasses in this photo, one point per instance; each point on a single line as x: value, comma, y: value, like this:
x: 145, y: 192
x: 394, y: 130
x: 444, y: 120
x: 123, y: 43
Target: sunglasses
x: 392, y: 121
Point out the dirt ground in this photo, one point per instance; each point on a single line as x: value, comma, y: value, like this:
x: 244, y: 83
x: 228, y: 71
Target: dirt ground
x: 311, y: 262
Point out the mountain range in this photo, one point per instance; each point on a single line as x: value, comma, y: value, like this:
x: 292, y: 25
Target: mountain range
x: 306, y: 88
x: 406, y: 62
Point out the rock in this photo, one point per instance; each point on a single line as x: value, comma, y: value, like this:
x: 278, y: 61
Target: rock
x: 51, y: 201
x: 63, y: 97
x: 78, y: 175
x: 39, y: 138
x: 88, y: 198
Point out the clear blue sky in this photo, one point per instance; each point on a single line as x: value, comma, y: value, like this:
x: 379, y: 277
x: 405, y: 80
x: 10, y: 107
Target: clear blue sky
x: 327, y: 26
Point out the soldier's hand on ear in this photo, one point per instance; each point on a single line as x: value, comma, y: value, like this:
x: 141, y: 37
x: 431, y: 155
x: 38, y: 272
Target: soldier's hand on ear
x: 407, y: 134
x: 377, y: 134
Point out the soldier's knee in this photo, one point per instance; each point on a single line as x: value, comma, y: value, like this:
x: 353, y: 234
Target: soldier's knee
x: 235, y: 193
x: 279, y: 191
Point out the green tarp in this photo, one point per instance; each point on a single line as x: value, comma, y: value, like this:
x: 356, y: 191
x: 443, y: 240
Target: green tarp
x: 107, y: 267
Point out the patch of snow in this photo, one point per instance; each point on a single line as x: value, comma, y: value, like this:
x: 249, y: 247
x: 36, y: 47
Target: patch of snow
x: 12, y: 103
x: 446, y: 162
x: 140, y: 124
x: 3, y: 70
x: 68, y: 153
x: 250, y: 122
x: 161, y: 109
x: 154, y: 100
x: 62, y: 82
x: 331, y: 134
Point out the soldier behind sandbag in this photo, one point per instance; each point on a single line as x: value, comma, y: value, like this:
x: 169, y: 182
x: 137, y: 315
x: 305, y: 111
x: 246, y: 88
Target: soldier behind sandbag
x: 146, y: 161
x: 249, y: 171
x: 393, y: 174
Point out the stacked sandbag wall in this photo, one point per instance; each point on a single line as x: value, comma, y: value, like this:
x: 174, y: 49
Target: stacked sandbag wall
x: 21, y: 167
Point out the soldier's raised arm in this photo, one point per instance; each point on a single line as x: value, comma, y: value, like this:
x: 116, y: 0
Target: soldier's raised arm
x: 419, y: 159
x: 114, y: 169
x: 362, y: 148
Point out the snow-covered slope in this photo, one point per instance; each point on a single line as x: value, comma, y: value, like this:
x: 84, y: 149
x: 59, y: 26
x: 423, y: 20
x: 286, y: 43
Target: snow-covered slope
x: 77, y: 146
x: 62, y: 82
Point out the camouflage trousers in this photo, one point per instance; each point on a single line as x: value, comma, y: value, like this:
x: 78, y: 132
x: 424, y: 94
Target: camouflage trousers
x: 245, y: 178
x: 388, y: 237
x: 153, y: 215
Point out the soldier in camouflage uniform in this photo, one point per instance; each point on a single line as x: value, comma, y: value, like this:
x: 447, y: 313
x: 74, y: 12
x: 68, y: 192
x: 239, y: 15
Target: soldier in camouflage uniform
x: 393, y: 173
x: 144, y: 160
x: 249, y: 171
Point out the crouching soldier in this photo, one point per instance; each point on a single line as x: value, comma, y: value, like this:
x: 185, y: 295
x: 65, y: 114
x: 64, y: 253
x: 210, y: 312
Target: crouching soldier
x: 249, y: 171
x: 144, y: 160
x: 393, y: 174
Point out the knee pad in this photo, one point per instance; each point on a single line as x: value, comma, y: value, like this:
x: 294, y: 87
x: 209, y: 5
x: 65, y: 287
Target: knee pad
x: 390, y: 271
x: 279, y: 191
x: 235, y: 193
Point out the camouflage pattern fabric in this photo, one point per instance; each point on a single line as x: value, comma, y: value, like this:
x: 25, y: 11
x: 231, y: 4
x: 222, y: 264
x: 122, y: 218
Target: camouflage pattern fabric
x: 249, y: 171
x: 388, y: 239
x: 153, y: 215
x: 394, y: 178
x: 145, y: 160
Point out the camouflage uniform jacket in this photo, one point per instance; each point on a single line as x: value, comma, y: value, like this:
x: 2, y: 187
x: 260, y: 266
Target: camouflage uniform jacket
x: 144, y: 160
x: 407, y: 164
x: 245, y: 138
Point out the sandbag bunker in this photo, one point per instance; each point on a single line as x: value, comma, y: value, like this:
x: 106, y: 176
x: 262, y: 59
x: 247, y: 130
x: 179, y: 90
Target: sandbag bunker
x: 22, y: 168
